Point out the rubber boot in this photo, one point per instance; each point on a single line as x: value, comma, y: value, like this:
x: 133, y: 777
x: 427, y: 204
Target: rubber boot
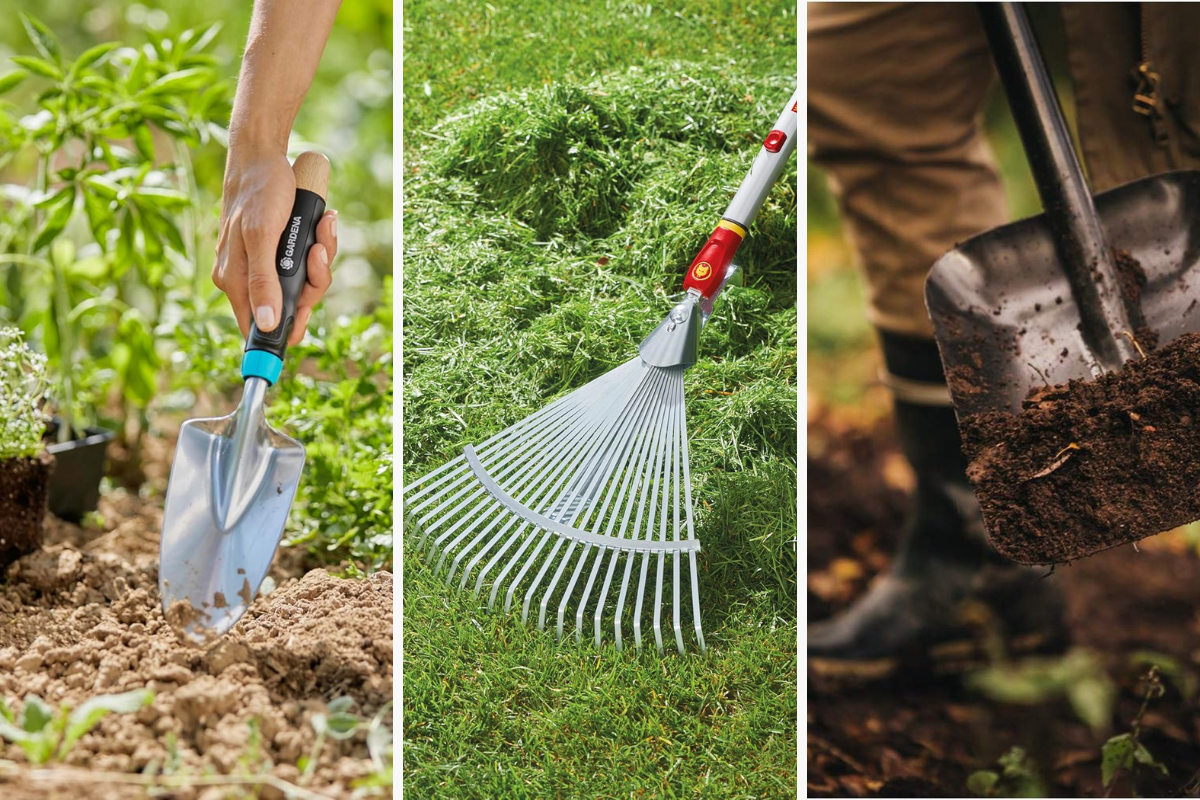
x: 948, y: 600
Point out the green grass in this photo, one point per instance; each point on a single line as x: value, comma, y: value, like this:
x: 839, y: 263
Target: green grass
x: 545, y: 226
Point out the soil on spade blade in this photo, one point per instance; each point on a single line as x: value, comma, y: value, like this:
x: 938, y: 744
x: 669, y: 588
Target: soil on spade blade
x: 1092, y: 464
x: 82, y: 617
x: 910, y: 738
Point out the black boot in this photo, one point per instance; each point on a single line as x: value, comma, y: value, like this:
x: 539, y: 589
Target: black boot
x: 947, y: 593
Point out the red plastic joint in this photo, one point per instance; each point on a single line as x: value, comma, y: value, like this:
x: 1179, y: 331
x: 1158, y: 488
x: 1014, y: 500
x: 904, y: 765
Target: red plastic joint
x: 774, y: 141
x: 708, y: 269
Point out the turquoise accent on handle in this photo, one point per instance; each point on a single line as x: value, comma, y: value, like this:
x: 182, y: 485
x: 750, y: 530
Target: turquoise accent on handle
x: 261, y: 364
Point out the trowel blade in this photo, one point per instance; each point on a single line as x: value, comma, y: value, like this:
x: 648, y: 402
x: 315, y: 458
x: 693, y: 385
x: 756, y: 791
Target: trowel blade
x: 219, y: 535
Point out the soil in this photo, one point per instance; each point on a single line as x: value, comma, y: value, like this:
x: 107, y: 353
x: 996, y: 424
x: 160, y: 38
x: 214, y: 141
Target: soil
x: 24, y: 492
x: 1092, y: 464
x: 83, y: 617
x: 924, y: 738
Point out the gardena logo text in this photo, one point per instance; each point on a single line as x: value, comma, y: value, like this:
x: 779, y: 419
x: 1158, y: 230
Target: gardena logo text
x: 293, y: 233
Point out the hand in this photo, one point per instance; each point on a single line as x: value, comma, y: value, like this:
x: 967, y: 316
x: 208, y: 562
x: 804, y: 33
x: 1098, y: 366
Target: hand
x: 258, y: 196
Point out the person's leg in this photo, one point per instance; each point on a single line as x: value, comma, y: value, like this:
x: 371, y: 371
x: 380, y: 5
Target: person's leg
x: 894, y: 98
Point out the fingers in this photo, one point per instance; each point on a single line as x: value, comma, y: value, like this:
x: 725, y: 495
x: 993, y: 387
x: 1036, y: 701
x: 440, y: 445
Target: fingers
x: 265, y: 295
x: 229, y: 275
x: 319, y: 279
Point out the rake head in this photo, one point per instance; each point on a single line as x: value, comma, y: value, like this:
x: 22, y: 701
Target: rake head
x: 563, y: 509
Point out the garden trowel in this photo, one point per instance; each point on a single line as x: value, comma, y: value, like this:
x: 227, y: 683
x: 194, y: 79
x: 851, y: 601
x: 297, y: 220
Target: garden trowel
x: 234, y: 478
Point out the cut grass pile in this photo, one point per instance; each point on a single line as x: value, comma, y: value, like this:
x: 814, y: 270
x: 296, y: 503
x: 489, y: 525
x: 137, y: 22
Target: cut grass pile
x: 545, y: 229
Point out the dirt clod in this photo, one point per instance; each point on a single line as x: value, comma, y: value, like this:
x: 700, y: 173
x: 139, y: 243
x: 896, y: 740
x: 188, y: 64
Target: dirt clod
x: 24, y: 491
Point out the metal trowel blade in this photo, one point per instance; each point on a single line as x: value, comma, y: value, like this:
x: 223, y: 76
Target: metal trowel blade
x: 231, y: 487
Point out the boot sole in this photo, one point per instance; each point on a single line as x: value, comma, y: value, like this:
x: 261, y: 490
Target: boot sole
x: 944, y: 659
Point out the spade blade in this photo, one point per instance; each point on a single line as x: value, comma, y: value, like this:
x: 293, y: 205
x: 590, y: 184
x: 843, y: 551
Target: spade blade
x: 231, y: 487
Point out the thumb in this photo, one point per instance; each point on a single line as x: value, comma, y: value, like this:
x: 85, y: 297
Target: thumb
x: 266, y: 297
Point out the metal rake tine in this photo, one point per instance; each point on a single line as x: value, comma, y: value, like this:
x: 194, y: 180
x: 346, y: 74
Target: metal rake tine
x: 600, y: 447
x: 512, y: 587
x: 644, y: 459
x: 687, y: 508
x: 558, y: 543
x: 621, y: 453
x: 552, y: 456
x: 475, y: 515
x: 679, y: 422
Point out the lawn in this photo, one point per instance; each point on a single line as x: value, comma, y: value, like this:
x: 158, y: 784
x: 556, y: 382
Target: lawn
x: 563, y: 163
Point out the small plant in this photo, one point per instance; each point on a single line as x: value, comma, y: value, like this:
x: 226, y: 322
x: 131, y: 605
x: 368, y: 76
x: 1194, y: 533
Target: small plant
x: 22, y: 387
x: 1078, y: 676
x: 340, y: 724
x: 1017, y: 778
x: 1125, y: 751
x: 46, y: 734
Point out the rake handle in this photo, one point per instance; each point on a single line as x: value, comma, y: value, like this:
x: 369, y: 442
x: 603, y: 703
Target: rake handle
x: 707, y: 271
x: 264, y: 352
x: 1066, y: 198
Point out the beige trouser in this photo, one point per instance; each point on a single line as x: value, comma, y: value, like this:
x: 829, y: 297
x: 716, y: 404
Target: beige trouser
x: 895, y: 92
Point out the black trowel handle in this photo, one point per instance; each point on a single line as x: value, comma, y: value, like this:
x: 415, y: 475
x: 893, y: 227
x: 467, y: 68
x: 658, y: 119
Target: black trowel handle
x: 1066, y: 198
x: 265, y: 351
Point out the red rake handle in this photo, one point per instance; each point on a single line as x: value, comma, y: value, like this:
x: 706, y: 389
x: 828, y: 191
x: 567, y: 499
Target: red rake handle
x: 707, y: 273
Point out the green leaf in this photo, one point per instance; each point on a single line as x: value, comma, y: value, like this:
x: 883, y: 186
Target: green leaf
x: 58, y: 215
x: 99, y: 214
x: 204, y: 39
x: 42, y: 38
x: 1116, y: 754
x: 84, y: 718
x: 144, y: 140
x: 341, y: 704
x: 183, y: 80
x: 38, y: 67
x: 982, y: 782
x: 36, y: 714
x: 342, y: 725
x: 1093, y: 697
x: 12, y: 79
x: 91, y: 56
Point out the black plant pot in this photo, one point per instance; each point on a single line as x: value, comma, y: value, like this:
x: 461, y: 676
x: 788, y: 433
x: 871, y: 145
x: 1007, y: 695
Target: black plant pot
x: 79, y: 467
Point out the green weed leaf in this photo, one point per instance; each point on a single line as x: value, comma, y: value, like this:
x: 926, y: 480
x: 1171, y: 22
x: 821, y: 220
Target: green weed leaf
x: 181, y: 81
x: 43, y: 40
x: 35, y: 715
x: 58, y: 214
x: 143, y: 139
x: 38, y: 67
x: 92, y: 56
x: 12, y: 79
x: 982, y: 782
x: 84, y: 718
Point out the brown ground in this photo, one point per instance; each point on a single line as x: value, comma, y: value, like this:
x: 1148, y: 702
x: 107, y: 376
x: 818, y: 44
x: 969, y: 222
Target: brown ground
x: 82, y: 617
x: 923, y: 739
x: 23, y: 494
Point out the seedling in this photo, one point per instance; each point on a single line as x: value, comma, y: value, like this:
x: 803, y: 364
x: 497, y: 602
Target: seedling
x: 46, y: 734
x: 340, y: 724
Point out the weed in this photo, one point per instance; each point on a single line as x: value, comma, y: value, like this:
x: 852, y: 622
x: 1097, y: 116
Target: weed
x: 1125, y: 753
x: 1077, y: 675
x: 1017, y: 777
x: 46, y: 734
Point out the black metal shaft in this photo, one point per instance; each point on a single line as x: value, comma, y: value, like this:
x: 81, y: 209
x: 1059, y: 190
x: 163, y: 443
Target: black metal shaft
x: 1066, y: 198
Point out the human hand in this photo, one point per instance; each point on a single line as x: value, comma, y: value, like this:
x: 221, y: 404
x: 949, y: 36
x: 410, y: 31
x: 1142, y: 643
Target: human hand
x: 258, y: 195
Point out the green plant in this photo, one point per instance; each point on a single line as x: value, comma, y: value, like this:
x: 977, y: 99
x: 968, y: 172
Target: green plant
x: 44, y: 733
x: 22, y: 386
x: 1017, y: 778
x: 111, y: 133
x: 340, y: 405
x: 1078, y: 675
x: 1125, y: 751
x: 340, y: 724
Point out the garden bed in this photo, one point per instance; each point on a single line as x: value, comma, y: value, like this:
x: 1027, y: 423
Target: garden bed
x: 1127, y: 608
x: 83, y: 618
